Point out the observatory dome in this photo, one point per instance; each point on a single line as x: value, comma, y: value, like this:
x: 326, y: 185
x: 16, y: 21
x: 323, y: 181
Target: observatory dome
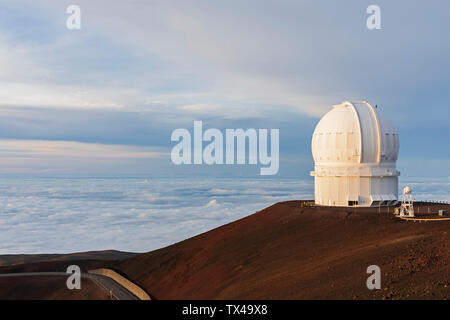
x: 355, y: 149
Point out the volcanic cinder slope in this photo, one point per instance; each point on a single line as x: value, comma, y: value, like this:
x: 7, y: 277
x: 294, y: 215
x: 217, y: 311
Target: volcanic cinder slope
x: 291, y: 252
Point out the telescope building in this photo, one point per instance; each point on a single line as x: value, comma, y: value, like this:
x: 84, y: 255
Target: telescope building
x: 355, y: 149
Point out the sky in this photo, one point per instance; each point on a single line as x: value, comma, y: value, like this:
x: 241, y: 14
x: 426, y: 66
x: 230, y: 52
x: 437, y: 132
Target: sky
x: 105, y: 99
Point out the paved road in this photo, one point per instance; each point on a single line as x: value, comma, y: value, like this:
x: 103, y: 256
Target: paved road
x: 111, y: 287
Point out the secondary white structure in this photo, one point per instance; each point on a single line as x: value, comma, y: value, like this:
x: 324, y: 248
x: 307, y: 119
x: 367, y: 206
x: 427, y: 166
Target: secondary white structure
x: 407, y: 207
x: 355, y: 149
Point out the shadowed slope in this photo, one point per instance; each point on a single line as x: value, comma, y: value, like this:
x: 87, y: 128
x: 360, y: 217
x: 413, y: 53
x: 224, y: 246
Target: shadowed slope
x: 14, y: 259
x: 48, y: 288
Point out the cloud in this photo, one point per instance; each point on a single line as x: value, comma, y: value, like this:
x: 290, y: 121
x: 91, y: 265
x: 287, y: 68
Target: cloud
x: 201, y: 108
x: 47, y: 157
x: 292, y: 57
x: 17, y: 62
x: 73, y: 149
x: 230, y: 111
x: 200, y: 53
x: 26, y: 79
x: 212, y: 204
x: 60, y: 96
x: 64, y: 215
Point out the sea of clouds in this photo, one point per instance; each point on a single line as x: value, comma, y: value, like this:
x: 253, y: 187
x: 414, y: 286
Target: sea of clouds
x: 131, y: 214
x: 48, y: 215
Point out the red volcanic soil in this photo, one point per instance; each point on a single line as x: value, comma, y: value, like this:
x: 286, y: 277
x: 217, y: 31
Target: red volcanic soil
x: 48, y: 288
x: 291, y: 252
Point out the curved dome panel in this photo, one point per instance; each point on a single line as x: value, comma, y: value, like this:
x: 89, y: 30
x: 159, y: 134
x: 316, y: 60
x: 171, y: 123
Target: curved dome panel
x: 370, y: 132
x: 390, y: 144
x: 354, y: 133
x: 337, y: 137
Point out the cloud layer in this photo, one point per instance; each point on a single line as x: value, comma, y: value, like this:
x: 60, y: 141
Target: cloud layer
x: 134, y: 214
x: 140, y: 214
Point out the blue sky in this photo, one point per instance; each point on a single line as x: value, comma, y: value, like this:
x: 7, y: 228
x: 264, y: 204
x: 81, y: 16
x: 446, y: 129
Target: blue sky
x: 104, y: 100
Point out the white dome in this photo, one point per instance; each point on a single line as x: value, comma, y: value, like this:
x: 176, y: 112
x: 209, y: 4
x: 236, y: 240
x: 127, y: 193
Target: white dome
x: 354, y: 132
x: 355, y: 149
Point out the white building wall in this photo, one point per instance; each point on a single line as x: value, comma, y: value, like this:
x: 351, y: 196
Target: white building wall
x: 368, y: 191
